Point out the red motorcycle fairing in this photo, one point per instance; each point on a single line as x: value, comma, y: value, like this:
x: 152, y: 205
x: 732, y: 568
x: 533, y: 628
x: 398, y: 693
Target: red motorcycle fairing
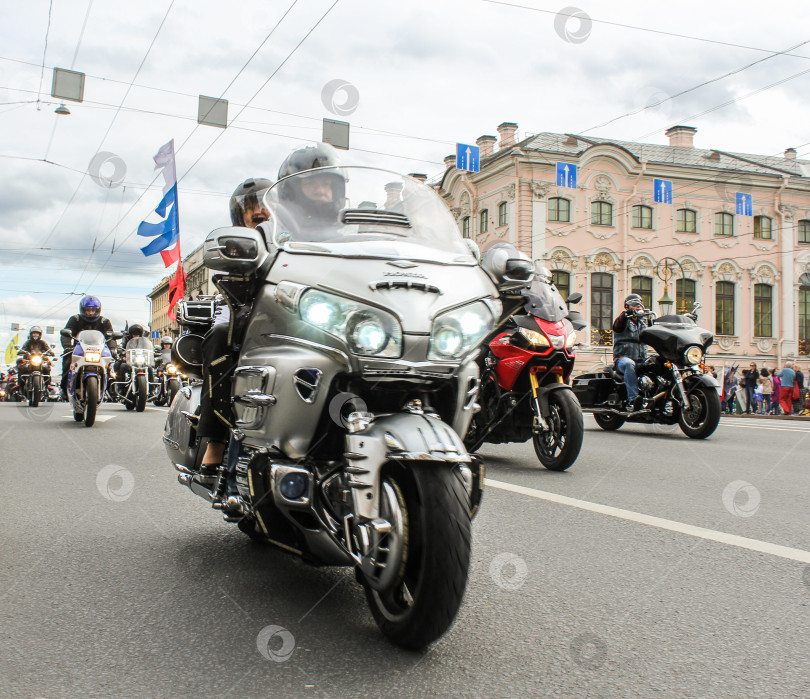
x: 513, y: 359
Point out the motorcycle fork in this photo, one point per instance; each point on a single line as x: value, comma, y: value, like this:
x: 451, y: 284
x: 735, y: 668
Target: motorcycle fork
x: 541, y: 422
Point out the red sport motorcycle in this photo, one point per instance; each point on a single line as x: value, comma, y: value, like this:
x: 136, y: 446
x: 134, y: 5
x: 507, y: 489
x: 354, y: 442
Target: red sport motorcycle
x: 524, y: 391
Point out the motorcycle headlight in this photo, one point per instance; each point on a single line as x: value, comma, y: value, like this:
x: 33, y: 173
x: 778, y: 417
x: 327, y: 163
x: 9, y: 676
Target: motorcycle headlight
x: 171, y: 369
x: 92, y: 356
x: 457, y: 332
x: 139, y: 360
x: 535, y: 337
x: 367, y: 330
x: 693, y: 355
x: 571, y: 340
x: 36, y: 360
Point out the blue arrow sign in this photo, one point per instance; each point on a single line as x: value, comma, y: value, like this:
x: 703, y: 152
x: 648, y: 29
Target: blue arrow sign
x: 663, y: 191
x: 745, y: 204
x: 467, y: 157
x: 566, y: 175
x: 155, y: 333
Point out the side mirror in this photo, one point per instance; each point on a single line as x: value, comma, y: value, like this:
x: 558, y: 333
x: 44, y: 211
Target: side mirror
x: 506, y: 267
x: 117, y: 335
x: 65, y: 333
x: 518, y: 270
x: 235, y: 250
x: 574, y: 298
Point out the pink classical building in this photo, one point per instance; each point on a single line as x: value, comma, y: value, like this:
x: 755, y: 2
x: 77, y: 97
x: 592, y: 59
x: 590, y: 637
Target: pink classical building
x: 609, y: 235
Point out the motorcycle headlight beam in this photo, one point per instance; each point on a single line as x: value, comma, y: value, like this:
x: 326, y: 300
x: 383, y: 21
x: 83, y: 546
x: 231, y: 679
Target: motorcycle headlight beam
x: 36, y: 360
x: 457, y: 332
x: 571, y: 340
x: 92, y: 356
x: 535, y: 337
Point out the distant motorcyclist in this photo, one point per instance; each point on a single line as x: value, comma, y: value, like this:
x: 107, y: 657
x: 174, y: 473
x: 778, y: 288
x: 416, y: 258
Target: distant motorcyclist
x: 628, y: 350
x: 88, y: 318
x: 34, y: 345
x: 122, y: 369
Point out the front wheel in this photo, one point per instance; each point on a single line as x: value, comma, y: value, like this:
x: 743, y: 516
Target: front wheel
x: 35, y: 395
x: 558, y: 448
x: 430, y: 507
x: 703, y: 415
x: 140, y: 393
x: 608, y: 421
x: 91, y: 393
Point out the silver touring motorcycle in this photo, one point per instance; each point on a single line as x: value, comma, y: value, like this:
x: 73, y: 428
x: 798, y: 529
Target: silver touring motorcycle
x: 356, y: 375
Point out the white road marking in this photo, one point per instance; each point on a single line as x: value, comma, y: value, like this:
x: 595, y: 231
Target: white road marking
x: 668, y: 524
x: 99, y: 418
x: 781, y: 427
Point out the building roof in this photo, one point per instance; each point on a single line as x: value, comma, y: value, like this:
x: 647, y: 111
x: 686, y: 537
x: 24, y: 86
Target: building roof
x: 575, y: 145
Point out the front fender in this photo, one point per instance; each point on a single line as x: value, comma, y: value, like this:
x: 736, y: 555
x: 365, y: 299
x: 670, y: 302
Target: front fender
x: 704, y: 379
x: 398, y: 437
x: 546, y: 390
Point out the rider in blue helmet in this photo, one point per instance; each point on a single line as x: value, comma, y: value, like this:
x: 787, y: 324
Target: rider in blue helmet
x: 88, y: 318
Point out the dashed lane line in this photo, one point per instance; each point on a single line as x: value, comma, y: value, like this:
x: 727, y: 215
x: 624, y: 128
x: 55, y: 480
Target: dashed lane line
x: 667, y: 524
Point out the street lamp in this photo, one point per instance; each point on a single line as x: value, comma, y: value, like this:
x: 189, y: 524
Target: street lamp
x: 665, y: 302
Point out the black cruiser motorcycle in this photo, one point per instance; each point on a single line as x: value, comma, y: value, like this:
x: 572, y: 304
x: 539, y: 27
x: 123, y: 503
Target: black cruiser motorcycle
x: 671, y: 383
x: 356, y: 378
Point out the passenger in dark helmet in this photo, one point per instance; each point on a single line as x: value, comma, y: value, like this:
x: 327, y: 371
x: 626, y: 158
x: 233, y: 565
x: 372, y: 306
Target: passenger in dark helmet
x: 628, y: 350
x: 216, y: 418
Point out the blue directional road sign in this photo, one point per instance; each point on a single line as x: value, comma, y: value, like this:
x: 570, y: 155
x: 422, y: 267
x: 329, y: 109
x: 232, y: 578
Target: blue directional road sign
x: 467, y: 157
x: 567, y: 175
x: 663, y: 191
x: 155, y: 333
x: 745, y: 204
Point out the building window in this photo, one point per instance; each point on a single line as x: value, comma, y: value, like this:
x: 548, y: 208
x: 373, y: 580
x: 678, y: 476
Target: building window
x: 562, y: 280
x: 502, y: 214
x: 642, y: 216
x: 601, y: 309
x: 723, y: 224
x: 684, y: 295
x: 763, y: 306
x: 724, y: 308
x: 465, y: 227
x: 686, y: 221
x: 804, y: 232
x: 643, y: 287
x: 804, y: 314
x: 484, y: 221
x: 601, y: 213
x: 559, y: 209
x: 762, y: 227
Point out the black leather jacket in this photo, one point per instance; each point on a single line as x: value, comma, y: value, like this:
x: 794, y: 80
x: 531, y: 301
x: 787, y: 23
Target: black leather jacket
x: 76, y: 324
x: 626, y: 342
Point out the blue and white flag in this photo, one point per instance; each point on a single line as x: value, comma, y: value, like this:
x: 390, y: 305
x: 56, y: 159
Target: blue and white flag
x: 166, y: 233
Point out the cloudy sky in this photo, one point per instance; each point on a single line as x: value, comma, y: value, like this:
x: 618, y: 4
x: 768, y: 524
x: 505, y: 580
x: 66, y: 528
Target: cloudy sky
x: 421, y: 76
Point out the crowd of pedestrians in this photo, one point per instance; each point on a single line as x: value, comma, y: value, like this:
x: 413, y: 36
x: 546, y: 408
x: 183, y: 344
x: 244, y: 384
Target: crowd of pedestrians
x: 765, y: 391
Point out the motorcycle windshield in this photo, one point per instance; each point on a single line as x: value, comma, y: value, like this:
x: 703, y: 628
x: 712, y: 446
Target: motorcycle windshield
x: 139, y: 343
x: 93, y: 338
x: 544, y: 301
x: 363, y: 212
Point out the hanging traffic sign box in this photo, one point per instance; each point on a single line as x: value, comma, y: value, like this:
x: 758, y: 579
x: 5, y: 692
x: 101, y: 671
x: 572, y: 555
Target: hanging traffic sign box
x: 745, y: 204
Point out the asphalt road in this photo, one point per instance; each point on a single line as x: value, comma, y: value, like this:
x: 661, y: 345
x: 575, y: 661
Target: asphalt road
x: 657, y: 566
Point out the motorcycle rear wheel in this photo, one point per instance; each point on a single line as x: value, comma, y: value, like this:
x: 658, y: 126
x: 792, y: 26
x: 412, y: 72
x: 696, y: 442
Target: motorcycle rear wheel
x: 608, y: 421
x: 424, y: 600
x: 559, y: 448
x: 140, y: 393
x: 703, y: 417
x: 91, y: 394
